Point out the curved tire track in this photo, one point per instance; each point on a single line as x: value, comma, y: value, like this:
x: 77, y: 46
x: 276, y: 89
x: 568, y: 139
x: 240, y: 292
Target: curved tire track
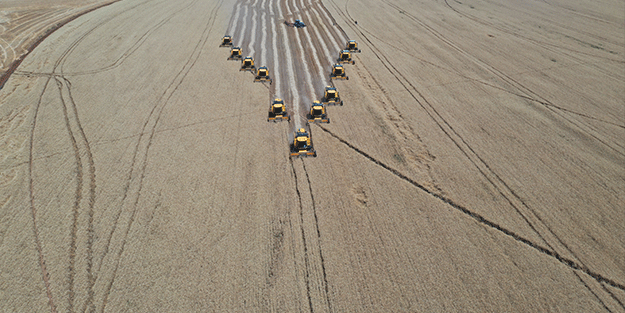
x: 482, y: 220
x: 476, y: 159
x: 153, y: 120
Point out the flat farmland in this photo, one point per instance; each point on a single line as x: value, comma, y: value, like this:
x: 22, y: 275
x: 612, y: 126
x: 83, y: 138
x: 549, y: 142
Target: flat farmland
x: 477, y: 164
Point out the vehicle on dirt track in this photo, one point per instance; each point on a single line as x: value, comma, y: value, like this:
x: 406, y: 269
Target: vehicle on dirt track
x: 352, y: 46
x: 338, y: 72
x: 277, y: 111
x: 345, y: 58
x: 262, y: 75
x: 331, y: 96
x: 247, y: 64
x: 296, y: 24
x: 226, y: 41
x: 317, y: 113
x: 302, y: 144
x: 235, y: 54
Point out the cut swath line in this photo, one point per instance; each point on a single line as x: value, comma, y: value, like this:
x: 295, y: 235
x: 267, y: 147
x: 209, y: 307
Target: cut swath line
x: 233, y: 29
x: 263, y: 42
x: 315, y: 56
x: 290, y: 72
x: 274, y: 43
x: 311, y: 91
x: 250, y: 46
x: 480, y: 219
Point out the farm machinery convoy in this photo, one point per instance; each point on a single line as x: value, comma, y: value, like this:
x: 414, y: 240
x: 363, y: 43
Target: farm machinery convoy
x: 302, y: 144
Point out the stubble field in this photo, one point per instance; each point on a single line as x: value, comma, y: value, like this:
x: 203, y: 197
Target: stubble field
x: 478, y: 163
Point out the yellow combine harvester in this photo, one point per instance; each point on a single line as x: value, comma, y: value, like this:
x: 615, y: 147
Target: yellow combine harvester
x: 226, y: 41
x: 302, y: 144
x: 247, y: 64
x: 235, y: 54
x: 352, y: 46
x: 345, y: 58
x: 338, y: 72
x: 277, y: 111
x: 331, y: 96
x: 262, y: 75
x: 317, y: 113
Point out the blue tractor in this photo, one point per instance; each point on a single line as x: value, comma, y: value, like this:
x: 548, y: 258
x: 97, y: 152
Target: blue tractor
x: 298, y: 24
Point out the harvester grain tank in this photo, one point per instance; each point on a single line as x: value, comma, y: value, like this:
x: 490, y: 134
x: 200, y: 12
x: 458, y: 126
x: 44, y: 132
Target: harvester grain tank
x: 226, y: 41
x: 317, y: 113
x: 302, y: 144
x: 345, y: 57
x: 235, y: 54
x: 247, y: 64
x: 262, y: 75
x: 338, y: 72
x: 352, y: 46
x: 331, y: 96
x: 277, y: 111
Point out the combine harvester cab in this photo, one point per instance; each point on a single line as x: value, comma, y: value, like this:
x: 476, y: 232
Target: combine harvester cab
x: 331, y: 96
x: 247, y: 64
x: 317, y: 113
x: 226, y: 41
x: 235, y: 54
x: 338, y: 72
x: 345, y: 57
x: 352, y: 46
x: 262, y: 75
x: 277, y: 111
x: 302, y: 144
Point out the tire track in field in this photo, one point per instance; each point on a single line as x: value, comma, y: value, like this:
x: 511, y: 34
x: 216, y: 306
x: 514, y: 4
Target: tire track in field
x: 91, y: 277
x: 130, y: 51
x: 586, y: 15
x: 543, y: 44
x: 91, y: 200
x: 468, y: 78
x: 512, y: 82
x: 77, y: 199
x: 536, y: 97
x: 38, y: 244
x: 303, y: 236
x: 116, y: 63
x: 80, y: 146
x: 317, y: 58
x: 33, y: 209
x: 451, y: 130
x: 73, y: 228
x: 17, y: 61
x: 128, y: 181
x: 323, y: 267
x: 153, y: 119
x: 511, y: 196
x: 482, y: 220
x: 294, y: 83
x: 308, y: 48
x: 441, y: 123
